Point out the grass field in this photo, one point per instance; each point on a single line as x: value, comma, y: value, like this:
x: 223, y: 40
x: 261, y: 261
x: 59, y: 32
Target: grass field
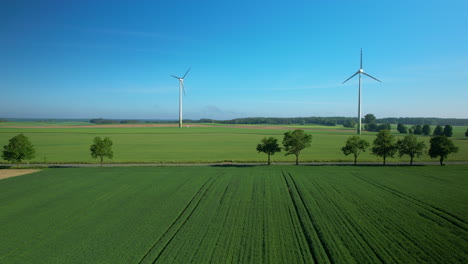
x: 196, y: 144
x: 278, y: 214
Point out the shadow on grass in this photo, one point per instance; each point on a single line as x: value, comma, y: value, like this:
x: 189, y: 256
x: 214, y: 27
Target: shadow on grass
x: 366, y: 165
x: 236, y: 165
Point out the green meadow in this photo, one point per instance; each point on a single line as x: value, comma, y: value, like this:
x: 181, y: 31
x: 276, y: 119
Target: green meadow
x: 257, y: 214
x: 197, y: 144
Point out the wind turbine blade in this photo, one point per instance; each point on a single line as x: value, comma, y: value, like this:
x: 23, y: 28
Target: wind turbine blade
x: 186, y: 72
x: 183, y: 87
x: 175, y: 76
x: 350, y: 77
x: 361, y: 59
x: 371, y: 77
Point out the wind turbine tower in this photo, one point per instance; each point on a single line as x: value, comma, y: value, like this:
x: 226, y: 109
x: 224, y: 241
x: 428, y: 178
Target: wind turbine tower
x: 359, y: 72
x: 181, y: 89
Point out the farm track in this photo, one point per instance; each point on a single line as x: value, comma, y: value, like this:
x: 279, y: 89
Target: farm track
x: 306, y: 219
x: 443, y: 214
x: 237, y: 214
x: 178, y: 223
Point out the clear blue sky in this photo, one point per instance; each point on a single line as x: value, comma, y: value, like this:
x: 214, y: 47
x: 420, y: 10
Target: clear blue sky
x: 113, y: 59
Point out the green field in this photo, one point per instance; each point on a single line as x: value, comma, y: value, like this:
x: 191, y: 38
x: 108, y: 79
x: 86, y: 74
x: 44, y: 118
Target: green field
x: 276, y: 214
x: 196, y: 144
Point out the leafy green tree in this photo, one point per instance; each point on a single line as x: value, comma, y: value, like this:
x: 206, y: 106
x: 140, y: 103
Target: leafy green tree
x: 269, y: 146
x: 295, y: 141
x: 438, y: 131
x: 349, y: 123
x: 417, y: 130
x: 373, y: 127
x: 18, y: 149
x: 384, y: 126
x: 101, y: 148
x: 448, y: 131
x: 402, y: 128
x: 384, y: 145
x: 369, y: 118
x: 426, y: 130
x: 355, y: 145
x: 441, y: 146
x: 410, y: 146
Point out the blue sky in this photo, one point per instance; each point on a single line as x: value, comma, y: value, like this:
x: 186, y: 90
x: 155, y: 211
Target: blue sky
x: 113, y: 59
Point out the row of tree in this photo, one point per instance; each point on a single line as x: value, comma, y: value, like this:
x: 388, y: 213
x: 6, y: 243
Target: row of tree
x: 385, y: 145
x: 294, y: 142
x: 113, y: 121
x: 426, y: 130
x: 20, y: 148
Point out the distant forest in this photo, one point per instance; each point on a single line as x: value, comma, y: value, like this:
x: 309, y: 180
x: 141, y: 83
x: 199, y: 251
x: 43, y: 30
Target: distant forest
x: 326, y: 121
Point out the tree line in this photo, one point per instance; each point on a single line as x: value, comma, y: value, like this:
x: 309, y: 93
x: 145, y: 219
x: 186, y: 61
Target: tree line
x: 384, y: 145
x: 20, y: 148
x: 426, y: 130
x: 349, y: 122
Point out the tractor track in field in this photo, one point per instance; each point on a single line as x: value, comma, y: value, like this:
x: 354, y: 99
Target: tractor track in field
x: 441, y: 213
x: 301, y: 203
x: 175, y: 225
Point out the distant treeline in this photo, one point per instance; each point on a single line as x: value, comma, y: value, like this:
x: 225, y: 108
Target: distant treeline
x: 114, y: 121
x: 432, y: 121
x: 326, y: 121
x: 332, y: 121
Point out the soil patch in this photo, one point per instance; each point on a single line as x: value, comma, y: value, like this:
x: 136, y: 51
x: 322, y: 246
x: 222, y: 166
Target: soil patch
x: 7, y: 173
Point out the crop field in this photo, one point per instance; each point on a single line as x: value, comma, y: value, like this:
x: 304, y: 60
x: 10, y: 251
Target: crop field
x: 258, y: 214
x: 197, y: 144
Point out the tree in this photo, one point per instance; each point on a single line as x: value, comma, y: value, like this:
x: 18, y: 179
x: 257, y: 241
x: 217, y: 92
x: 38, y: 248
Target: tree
x: 402, y: 128
x: 355, y: 145
x: 369, y: 118
x: 441, y: 146
x: 418, y: 130
x: 101, y: 148
x: 373, y: 127
x: 410, y: 146
x: 295, y: 141
x: 466, y: 133
x: 384, y: 126
x: 18, y: 149
x: 384, y: 145
x: 448, y: 131
x: 438, y: 131
x: 349, y: 123
x: 269, y: 146
x: 426, y: 130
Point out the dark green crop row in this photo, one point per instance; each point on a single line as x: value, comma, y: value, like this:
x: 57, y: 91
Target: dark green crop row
x: 258, y: 214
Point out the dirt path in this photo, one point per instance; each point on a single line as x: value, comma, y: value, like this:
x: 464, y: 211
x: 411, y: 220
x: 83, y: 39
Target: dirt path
x: 7, y: 173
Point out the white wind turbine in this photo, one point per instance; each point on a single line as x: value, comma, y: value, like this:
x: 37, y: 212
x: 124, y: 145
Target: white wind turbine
x: 360, y: 71
x: 181, y: 88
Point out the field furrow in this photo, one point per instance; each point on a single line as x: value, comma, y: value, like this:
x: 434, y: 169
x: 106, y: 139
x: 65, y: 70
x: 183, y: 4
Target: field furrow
x: 245, y: 214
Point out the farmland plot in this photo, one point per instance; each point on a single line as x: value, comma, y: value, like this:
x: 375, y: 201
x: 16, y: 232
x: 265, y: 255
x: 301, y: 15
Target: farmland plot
x: 277, y: 214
